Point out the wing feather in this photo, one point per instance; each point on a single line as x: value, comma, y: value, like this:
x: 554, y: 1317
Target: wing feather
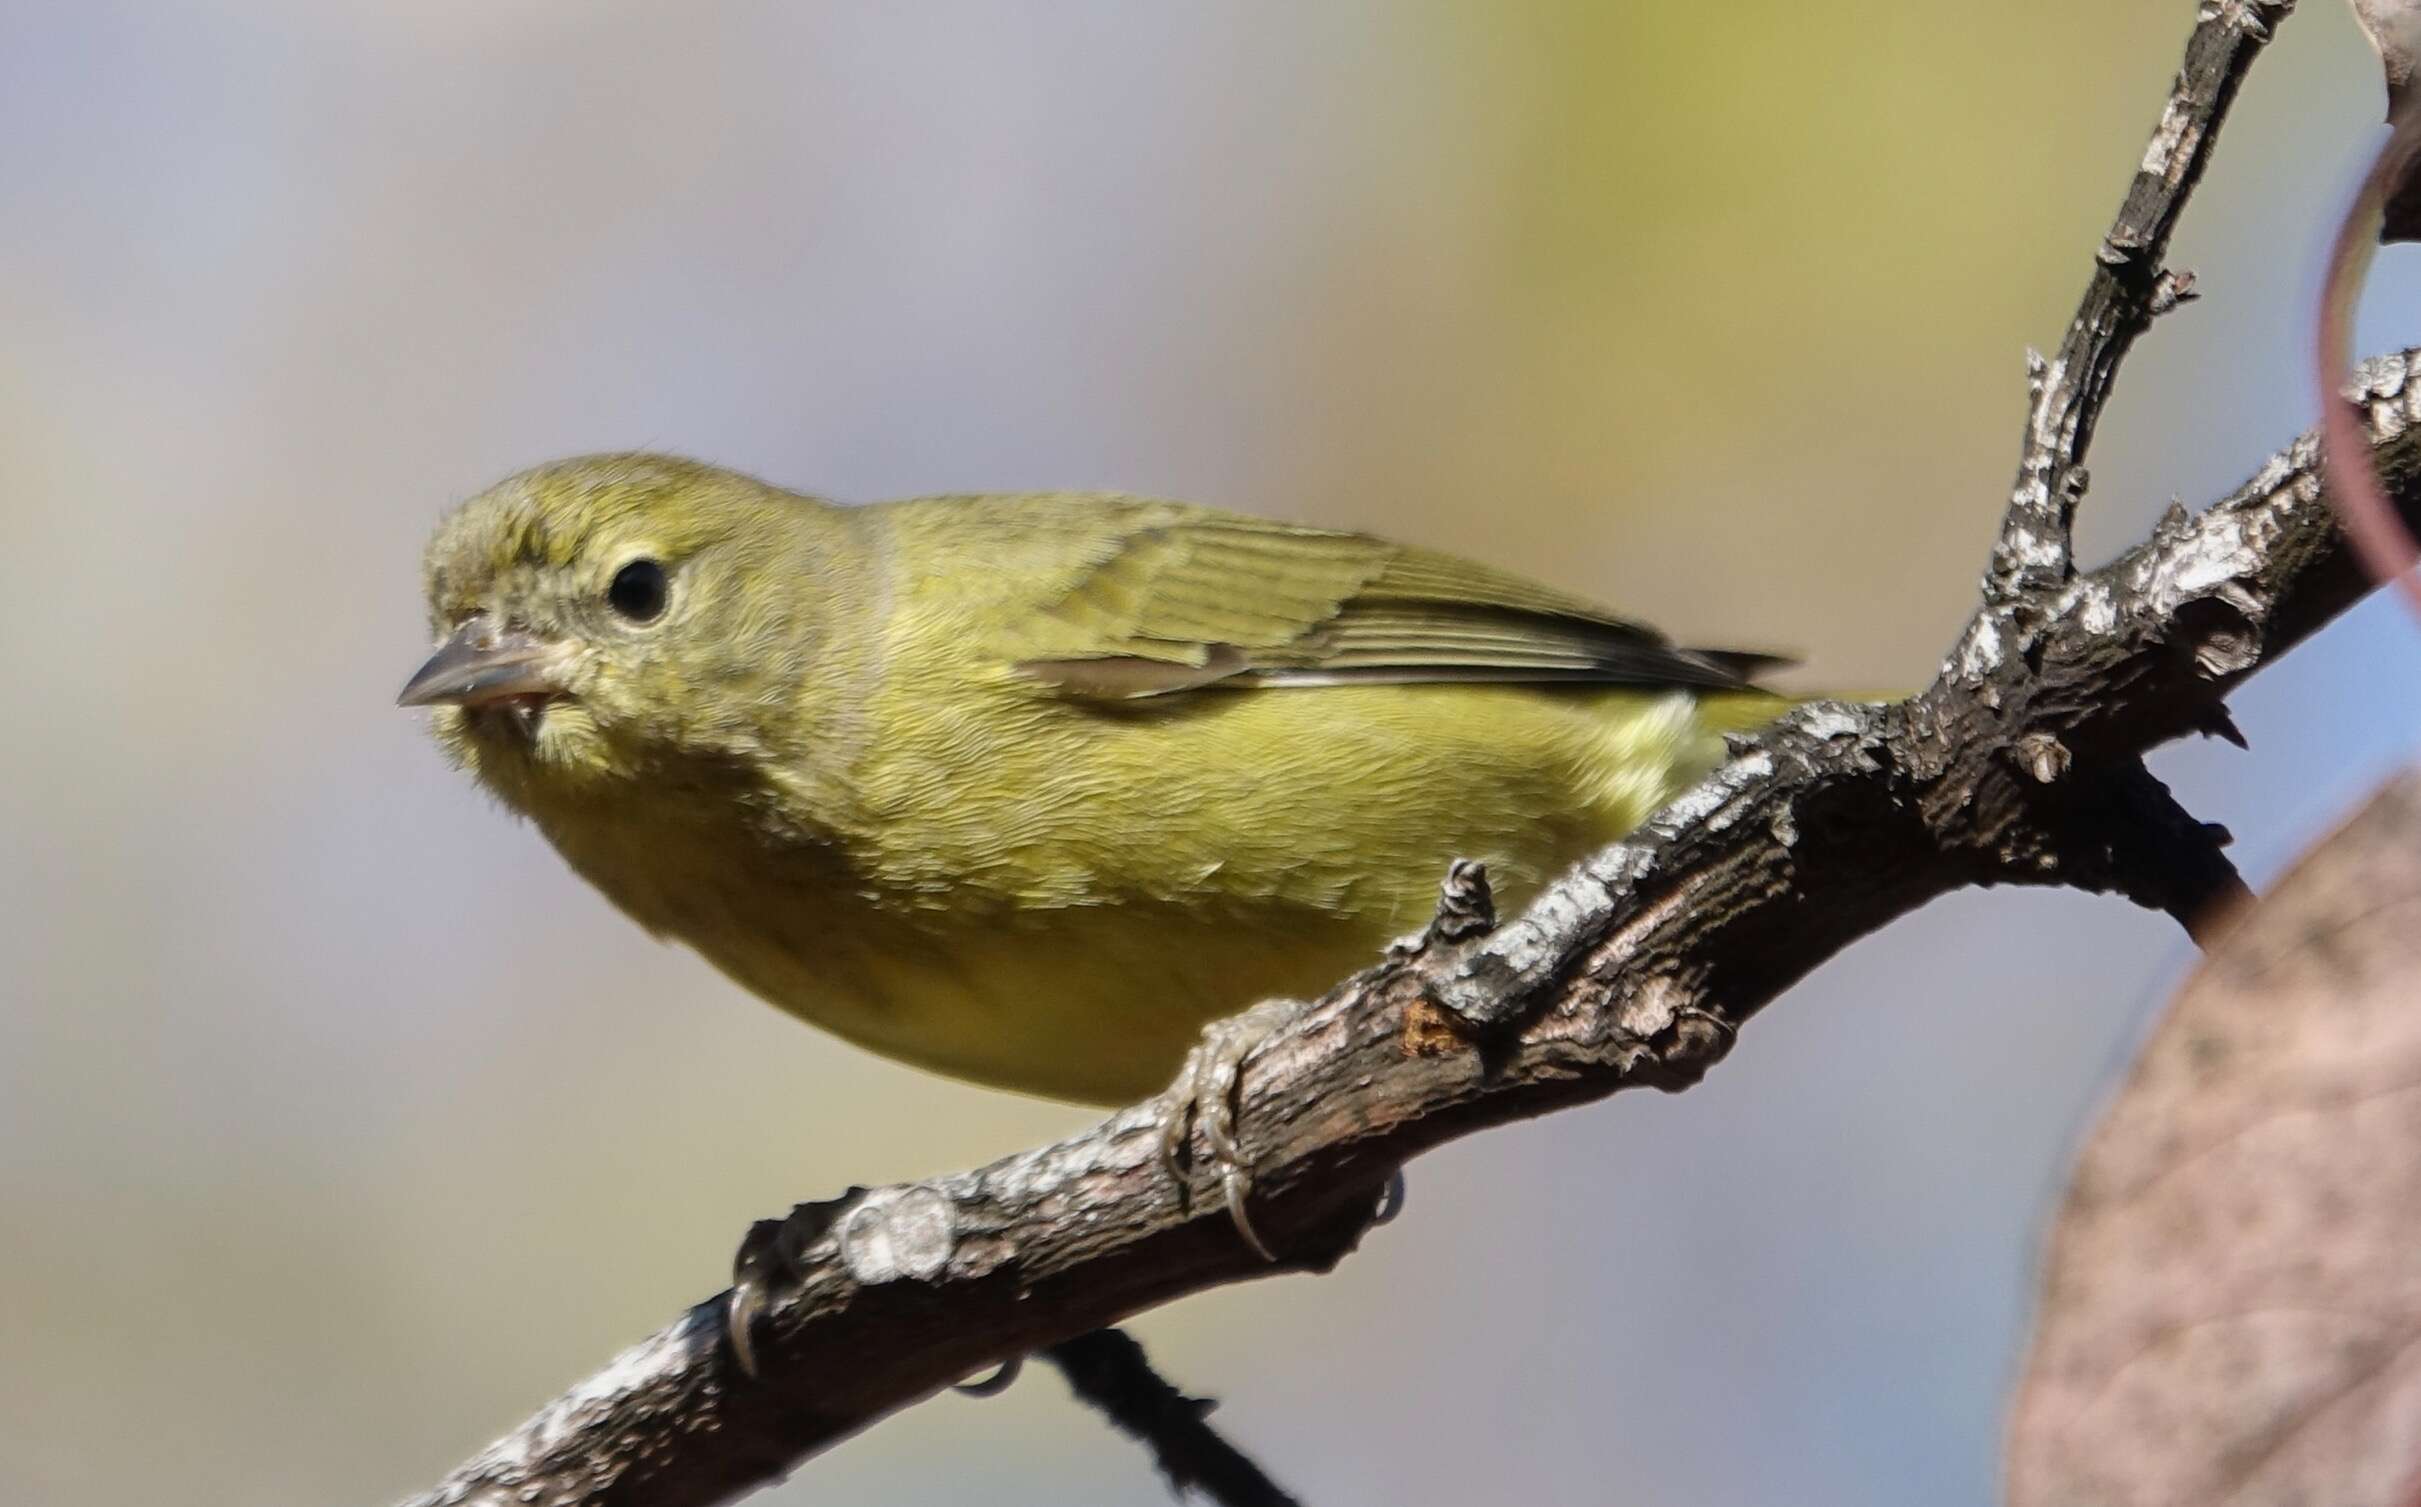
x: 1187, y: 599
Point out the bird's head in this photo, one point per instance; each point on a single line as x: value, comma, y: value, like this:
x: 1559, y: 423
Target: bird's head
x: 617, y: 619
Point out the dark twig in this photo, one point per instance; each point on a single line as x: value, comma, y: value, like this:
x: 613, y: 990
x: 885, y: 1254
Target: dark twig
x: 2129, y: 287
x: 1108, y: 1370
x: 2161, y: 857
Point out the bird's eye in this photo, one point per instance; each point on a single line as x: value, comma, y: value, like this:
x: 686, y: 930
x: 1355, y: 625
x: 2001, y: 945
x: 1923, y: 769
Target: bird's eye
x: 638, y: 591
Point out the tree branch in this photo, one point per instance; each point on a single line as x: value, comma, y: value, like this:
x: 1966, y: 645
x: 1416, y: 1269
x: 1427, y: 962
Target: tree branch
x: 2021, y: 763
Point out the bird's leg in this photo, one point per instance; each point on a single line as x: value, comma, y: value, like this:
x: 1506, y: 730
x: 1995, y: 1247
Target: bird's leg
x: 1206, y: 1092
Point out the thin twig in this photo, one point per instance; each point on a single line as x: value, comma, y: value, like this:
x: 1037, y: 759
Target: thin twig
x: 2163, y: 859
x: 1108, y: 1370
x: 2128, y: 288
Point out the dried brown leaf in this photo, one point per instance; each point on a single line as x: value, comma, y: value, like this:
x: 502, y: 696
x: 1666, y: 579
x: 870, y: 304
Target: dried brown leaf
x: 2232, y: 1303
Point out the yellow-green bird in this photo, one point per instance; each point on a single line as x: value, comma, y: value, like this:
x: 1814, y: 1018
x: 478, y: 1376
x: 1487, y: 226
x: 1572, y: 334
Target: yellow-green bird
x: 1030, y: 789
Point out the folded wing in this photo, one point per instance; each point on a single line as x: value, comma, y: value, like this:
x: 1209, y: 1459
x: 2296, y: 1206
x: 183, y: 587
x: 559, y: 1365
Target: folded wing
x: 1190, y: 600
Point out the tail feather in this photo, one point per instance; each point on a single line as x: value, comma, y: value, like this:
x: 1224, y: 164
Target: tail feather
x: 1742, y: 664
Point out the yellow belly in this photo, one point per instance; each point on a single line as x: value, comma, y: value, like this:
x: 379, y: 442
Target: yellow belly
x: 998, y: 928
x: 1093, y: 1005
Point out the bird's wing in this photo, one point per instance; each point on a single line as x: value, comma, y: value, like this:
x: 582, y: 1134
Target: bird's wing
x: 1189, y: 599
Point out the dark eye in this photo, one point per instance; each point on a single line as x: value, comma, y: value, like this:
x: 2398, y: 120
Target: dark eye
x: 638, y: 591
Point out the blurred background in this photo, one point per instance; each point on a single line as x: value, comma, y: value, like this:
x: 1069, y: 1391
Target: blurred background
x: 340, y: 1126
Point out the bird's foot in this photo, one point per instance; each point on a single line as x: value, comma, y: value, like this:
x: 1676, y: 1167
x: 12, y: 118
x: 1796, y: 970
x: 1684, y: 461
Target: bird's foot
x: 766, y: 1269
x: 1206, y: 1093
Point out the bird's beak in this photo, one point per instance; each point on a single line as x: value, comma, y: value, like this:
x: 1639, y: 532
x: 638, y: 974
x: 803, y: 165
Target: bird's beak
x: 482, y: 663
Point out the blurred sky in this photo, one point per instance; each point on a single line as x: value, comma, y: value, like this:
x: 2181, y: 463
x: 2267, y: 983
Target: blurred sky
x: 340, y: 1126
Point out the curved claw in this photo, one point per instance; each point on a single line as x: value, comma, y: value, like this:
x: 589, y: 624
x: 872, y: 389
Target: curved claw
x: 1206, y: 1090
x: 1177, y: 1127
x: 753, y: 1271
x: 1236, y: 1182
x: 1391, y: 1200
x: 994, y: 1384
x: 767, y: 1262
